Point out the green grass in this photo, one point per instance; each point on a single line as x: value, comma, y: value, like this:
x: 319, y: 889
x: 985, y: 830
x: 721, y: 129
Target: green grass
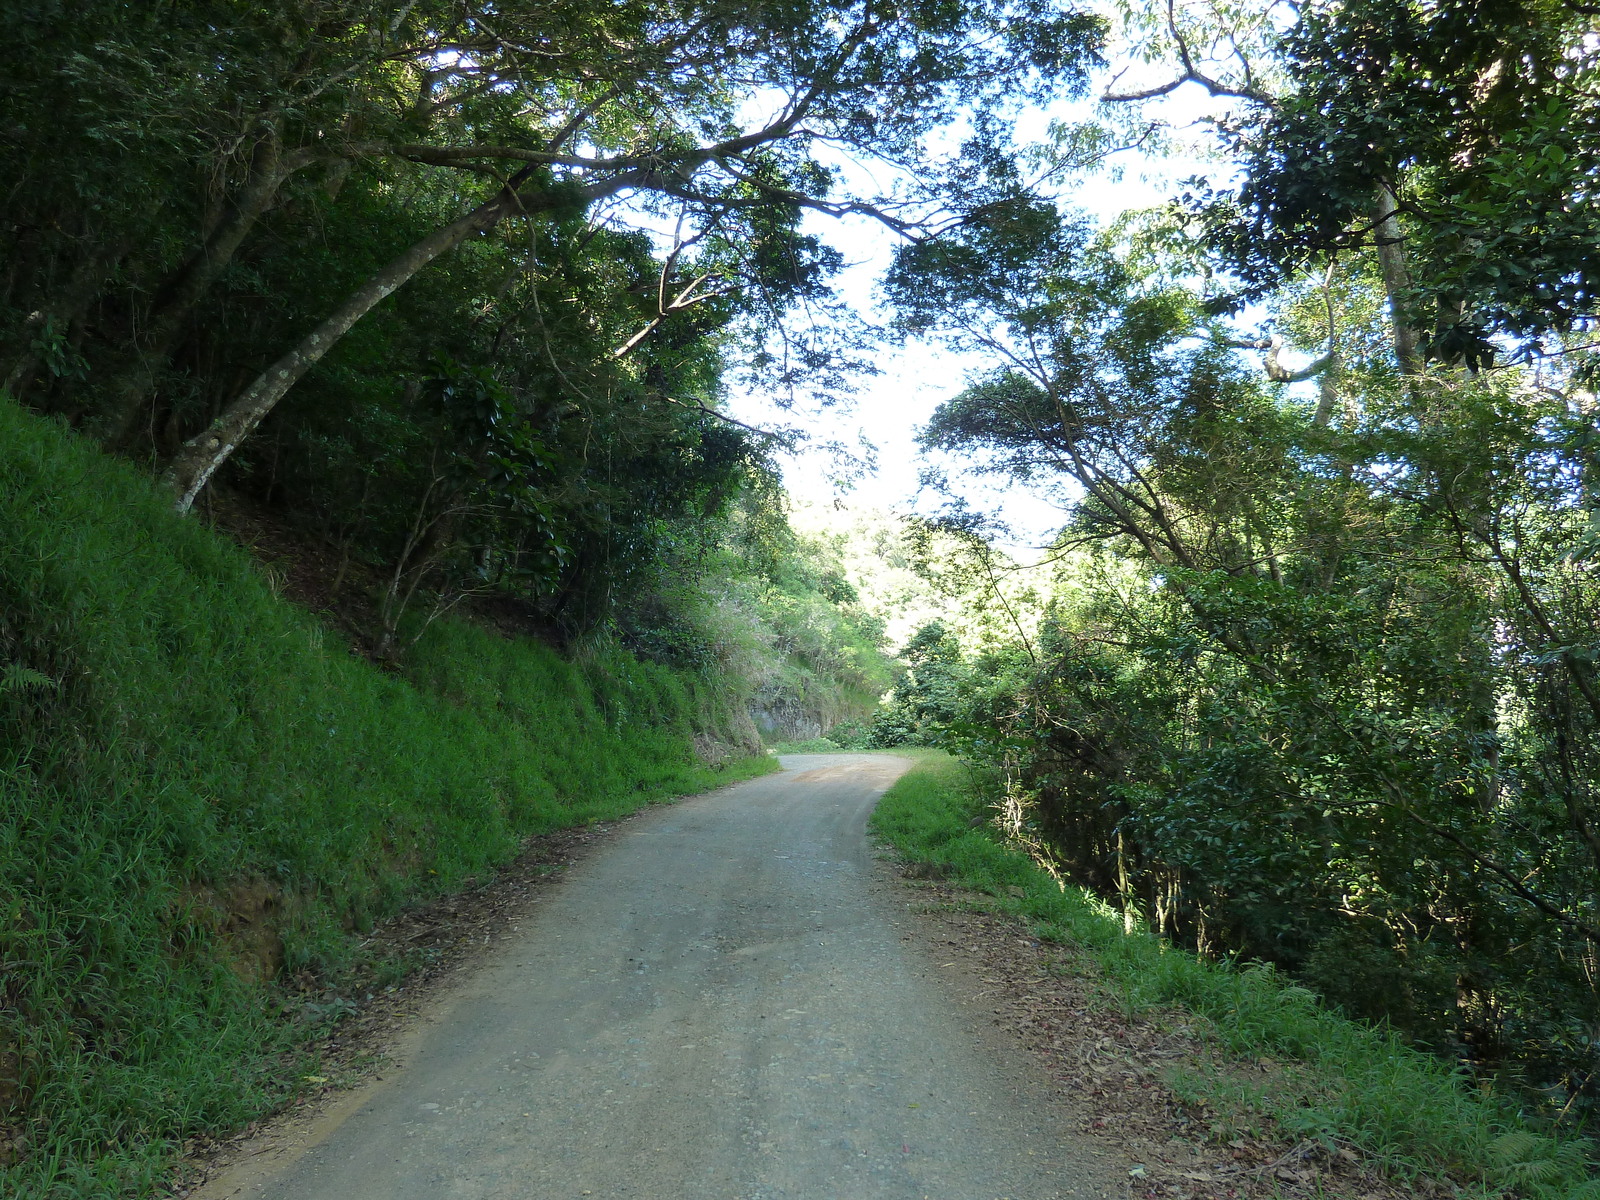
x: 171, y: 730
x: 1353, y: 1083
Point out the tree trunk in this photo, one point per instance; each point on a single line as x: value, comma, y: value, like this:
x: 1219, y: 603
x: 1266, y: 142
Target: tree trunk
x: 130, y: 392
x: 1390, y: 243
x: 198, y: 459
x: 1328, y: 381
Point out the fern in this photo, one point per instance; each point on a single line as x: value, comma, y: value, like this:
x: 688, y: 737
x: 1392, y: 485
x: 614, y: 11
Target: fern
x: 1525, y: 1160
x: 17, y: 678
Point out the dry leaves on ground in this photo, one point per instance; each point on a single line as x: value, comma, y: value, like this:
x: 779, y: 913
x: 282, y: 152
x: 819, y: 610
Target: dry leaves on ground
x: 1117, y: 1069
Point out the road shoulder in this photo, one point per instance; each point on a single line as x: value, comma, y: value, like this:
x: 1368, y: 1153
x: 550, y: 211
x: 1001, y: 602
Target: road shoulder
x: 1118, y: 1076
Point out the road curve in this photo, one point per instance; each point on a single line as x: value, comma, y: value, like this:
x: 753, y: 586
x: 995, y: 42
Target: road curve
x: 721, y: 1004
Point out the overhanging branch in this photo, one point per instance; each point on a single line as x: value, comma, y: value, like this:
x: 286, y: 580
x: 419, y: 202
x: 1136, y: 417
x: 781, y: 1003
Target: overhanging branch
x: 1190, y: 74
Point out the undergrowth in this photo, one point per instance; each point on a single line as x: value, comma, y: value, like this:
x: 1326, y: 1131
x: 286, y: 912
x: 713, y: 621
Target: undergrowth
x: 172, y: 736
x: 1358, y: 1084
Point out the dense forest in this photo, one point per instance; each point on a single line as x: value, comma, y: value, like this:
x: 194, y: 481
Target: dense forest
x: 439, y: 305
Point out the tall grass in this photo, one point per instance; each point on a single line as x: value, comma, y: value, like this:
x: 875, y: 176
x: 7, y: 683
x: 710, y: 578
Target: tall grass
x: 170, y: 730
x: 1355, y: 1083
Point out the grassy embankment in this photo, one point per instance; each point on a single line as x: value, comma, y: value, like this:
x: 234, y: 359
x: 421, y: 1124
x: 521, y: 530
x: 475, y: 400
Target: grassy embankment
x: 201, y: 792
x: 1351, y: 1083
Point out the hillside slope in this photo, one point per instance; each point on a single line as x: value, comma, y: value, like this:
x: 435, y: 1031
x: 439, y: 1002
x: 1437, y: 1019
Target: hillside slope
x: 201, y: 793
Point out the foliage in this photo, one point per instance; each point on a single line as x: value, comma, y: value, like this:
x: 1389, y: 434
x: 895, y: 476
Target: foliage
x: 1480, y: 119
x: 783, y: 615
x: 1316, y: 687
x: 1363, y: 759
x: 924, y: 706
x: 213, y: 209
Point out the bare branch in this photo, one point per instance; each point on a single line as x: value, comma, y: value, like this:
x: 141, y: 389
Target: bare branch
x: 698, y: 406
x: 685, y: 299
x: 575, y: 122
x: 1192, y: 74
x: 1274, y: 368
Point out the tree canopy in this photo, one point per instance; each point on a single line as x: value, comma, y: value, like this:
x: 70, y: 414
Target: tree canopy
x: 457, y: 285
x: 1315, y: 684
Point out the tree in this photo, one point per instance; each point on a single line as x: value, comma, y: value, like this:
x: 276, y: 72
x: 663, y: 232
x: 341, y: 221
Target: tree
x: 1453, y: 138
x: 137, y: 202
x: 668, y: 117
x: 1318, y: 691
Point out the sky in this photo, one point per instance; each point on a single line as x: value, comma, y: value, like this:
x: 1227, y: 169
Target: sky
x: 915, y: 377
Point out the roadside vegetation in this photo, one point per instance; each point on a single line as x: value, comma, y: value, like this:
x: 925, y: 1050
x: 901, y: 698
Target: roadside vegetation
x: 208, y: 795
x: 1354, y: 1085
x: 1307, y: 678
x: 381, y: 291
x: 204, y: 795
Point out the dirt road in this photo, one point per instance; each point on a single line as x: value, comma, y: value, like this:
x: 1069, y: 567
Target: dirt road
x: 727, y: 1002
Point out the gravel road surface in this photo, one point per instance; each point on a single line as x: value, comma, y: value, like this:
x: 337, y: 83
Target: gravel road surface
x: 727, y: 1002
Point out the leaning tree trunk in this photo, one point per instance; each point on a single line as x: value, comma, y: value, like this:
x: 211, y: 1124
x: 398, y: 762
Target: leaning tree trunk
x: 198, y: 459
x: 130, y: 392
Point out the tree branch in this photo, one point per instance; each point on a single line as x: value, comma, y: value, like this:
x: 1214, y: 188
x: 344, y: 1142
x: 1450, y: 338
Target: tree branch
x: 1275, y: 369
x: 698, y: 406
x: 1190, y: 74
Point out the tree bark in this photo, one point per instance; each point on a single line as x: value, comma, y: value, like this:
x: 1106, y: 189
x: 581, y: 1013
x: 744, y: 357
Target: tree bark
x: 1328, y: 380
x: 1390, y: 244
x: 197, y: 460
x: 130, y: 393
